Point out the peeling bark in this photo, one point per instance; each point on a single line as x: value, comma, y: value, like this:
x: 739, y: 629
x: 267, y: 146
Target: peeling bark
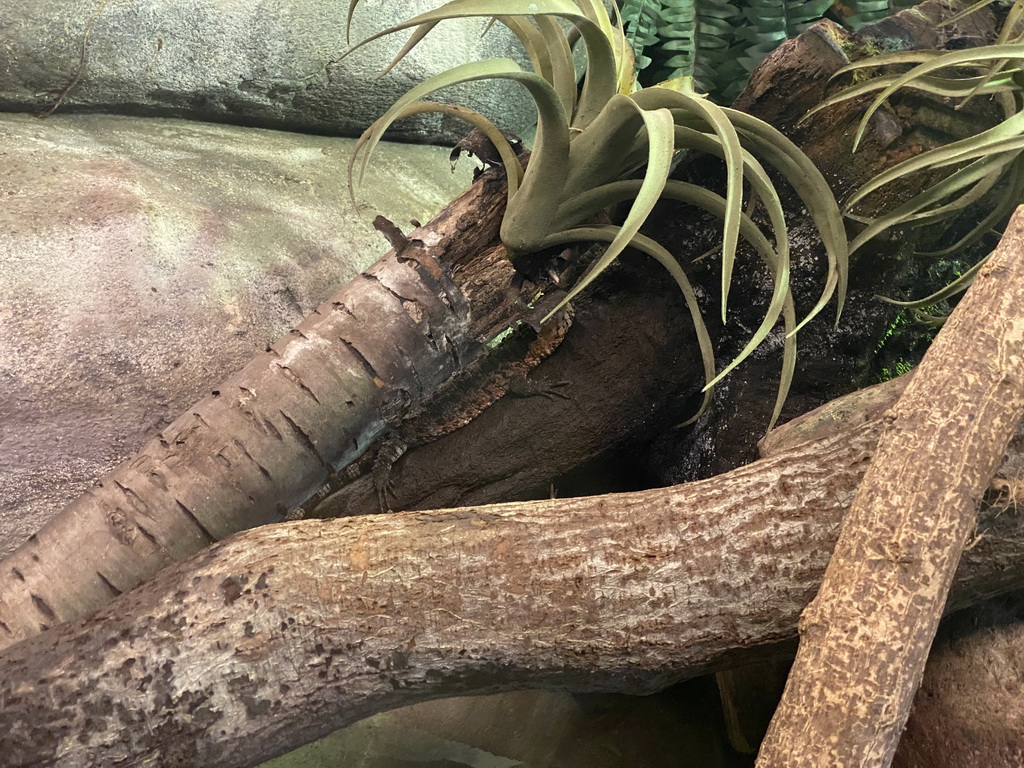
x: 284, y: 633
x: 865, y: 638
x: 264, y: 440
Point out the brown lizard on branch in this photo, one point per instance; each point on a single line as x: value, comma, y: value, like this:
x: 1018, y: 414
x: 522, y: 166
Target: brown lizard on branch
x: 454, y: 404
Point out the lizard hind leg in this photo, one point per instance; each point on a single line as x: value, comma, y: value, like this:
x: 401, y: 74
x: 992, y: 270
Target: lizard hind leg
x: 392, y: 450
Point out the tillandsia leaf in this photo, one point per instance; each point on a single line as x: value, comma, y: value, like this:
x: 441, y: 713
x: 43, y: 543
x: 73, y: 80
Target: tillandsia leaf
x: 945, y: 212
x: 660, y: 135
x: 999, y: 138
x: 536, y: 46
x: 563, y: 69
x: 509, y: 159
x: 591, y: 202
x: 550, y: 54
x: 937, y: 86
x: 772, y: 146
x: 967, y: 12
x: 414, y: 39
x: 769, y: 144
x: 959, y: 285
x: 950, y: 59
x: 1007, y: 34
x: 600, y: 82
x: 887, y: 60
x: 781, y: 302
x: 625, y: 76
x: 604, y: 152
x: 589, y: 17
x: 542, y: 93
x: 1004, y: 205
x: 779, y: 152
x: 931, y: 196
x: 675, y: 95
x: 644, y: 244
x: 762, y: 187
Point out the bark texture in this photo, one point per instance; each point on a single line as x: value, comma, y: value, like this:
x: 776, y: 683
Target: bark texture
x: 284, y: 633
x: 264, y: 440
x: 969, y: 710
x: 865, y: 638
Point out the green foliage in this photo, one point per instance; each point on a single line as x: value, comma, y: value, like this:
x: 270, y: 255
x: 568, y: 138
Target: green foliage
x: 857, y: 13
x: 716, y: 42
x: 593, y: 143
x: 987, y: 166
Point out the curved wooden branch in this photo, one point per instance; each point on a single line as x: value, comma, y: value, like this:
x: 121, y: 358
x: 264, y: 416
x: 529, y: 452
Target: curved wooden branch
x: 282, y: 634
x: 864, y: 640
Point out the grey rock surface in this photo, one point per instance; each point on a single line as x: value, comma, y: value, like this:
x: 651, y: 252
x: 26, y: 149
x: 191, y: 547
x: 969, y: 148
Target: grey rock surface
x: 267, y: 63
x: 143, y: 260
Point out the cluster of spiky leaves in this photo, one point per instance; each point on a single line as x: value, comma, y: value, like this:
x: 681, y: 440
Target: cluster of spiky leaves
x: 720, y: 42
x: 607, y: 143
x: 987, y: 166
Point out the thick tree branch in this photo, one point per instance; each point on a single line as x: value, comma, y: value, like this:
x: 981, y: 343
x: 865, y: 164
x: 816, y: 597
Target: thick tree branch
x: 264, y: 440
x: 284, y: 633
x: 865, y: 638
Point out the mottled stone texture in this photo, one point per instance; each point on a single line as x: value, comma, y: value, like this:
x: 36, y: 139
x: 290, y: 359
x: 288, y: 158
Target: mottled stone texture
x: 141, y: 260
x: 270, y: 63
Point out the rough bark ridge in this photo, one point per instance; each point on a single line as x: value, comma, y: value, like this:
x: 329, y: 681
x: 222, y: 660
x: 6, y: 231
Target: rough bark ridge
x: 865, y: 638
x: 264, y: 440
x: 284, y: 633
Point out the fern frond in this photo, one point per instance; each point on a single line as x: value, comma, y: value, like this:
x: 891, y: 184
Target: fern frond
x: 640, y: 19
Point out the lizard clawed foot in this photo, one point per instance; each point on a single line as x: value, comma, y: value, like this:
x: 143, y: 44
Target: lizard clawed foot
x: 385, y: 490
x: 524, y: 387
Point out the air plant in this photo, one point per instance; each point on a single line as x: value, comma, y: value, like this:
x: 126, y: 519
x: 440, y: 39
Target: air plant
x: 606, y: 143
x: 990, y: 160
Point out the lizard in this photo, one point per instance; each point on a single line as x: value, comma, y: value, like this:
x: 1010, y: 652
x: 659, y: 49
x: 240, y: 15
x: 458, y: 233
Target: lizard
x: 453, y: 404
x: 469, y: 393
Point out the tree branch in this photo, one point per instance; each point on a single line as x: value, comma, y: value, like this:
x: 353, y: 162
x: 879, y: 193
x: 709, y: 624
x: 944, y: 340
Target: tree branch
x: 282, y: 634
x: 865, y: 638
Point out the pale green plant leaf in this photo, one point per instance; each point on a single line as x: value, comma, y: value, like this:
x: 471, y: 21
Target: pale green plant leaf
x: 656, y: 251
x: 931, y: 196
x: 509, y: 159
x: 970, y: 56
x: 660, y: 134
x: 481, y: 70
x: 959, y: 285
x: 815, y: 193
x: 715, y: 118
x: 1005, y: 203
x: 999, y: 138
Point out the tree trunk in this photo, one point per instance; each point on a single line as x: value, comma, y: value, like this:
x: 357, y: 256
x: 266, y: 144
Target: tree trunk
x: 864, y: 640
x: 285, y: 633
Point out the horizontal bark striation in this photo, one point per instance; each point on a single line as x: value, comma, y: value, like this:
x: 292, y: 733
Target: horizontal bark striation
x: 282, y: 634
x: 264, y: 440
